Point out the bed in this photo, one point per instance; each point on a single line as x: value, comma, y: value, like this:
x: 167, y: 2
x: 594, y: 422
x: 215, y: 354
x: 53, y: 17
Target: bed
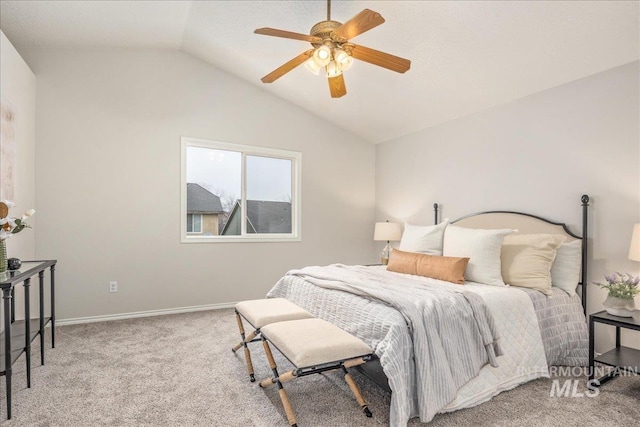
x: 436, y: 351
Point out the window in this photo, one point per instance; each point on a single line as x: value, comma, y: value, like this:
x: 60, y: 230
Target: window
x: 194, y: 223
x: 233, y: 192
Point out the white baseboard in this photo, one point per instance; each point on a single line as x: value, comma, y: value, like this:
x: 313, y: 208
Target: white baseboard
x: 120, y: 316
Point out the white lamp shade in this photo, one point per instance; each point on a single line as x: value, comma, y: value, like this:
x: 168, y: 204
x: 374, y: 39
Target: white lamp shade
x: 387, y: 231
x: 312, y: 66
x: 343, y: 59
x: 322, y: 55
x: 634, y: 248
x: 333, y: 70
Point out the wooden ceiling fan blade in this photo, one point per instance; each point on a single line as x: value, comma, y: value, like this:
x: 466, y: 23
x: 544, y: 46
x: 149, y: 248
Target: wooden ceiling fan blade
x: 288, y: 35
x: 364, y: 21
x: 337, y: 86
x: 381, y: 59
x: 286, y: 67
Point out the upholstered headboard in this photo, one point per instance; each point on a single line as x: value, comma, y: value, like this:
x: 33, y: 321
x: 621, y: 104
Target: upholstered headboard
x: 530, y: 224
x: 524, y: 223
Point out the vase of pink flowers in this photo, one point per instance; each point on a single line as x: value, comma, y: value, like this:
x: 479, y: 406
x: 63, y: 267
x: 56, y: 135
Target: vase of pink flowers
x: 8, y: 227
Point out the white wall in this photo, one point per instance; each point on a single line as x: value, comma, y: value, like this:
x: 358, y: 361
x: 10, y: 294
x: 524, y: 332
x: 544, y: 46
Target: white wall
x: 538, y: 154
x: 18, y: 89
x: 108, y: 181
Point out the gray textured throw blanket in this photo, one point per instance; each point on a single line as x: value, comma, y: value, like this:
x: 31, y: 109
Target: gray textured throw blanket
x: 454, y: 334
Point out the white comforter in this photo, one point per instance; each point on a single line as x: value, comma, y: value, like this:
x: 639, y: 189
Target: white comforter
x: 523, y: 356
x: 385, y: 330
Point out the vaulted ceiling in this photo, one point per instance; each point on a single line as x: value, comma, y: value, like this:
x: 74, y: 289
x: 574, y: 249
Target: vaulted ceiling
x: 466, y: 56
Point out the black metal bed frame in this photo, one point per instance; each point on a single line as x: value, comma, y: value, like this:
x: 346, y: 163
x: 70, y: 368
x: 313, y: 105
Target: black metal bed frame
x: 584, y: 238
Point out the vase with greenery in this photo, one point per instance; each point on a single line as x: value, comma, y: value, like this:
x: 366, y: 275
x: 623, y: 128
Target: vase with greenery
x: 622, y: 288
x: 8, y: 227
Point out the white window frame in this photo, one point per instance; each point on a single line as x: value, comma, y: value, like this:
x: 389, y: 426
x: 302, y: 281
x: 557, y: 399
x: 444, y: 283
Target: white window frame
x: 192, y: 231
x: 246, y: 150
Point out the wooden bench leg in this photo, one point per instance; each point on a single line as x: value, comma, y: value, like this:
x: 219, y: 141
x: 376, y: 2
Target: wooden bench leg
x: 276, y: 379
x: 287, y: 376
x: 241, y: 329
x: 243, y: 343
x: 356, y: 392
x: 287, y: 406
x: 247, y: 340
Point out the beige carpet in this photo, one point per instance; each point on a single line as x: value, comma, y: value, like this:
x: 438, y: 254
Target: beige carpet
x: 178, y: 370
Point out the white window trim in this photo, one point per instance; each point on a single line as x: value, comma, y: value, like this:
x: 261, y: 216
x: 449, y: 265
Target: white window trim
x: 246, y: 150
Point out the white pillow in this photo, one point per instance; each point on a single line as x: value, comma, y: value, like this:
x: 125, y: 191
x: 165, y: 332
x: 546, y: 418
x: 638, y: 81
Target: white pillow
x: 482, y: 247
x: 565, y: 271
x: 423, y: 239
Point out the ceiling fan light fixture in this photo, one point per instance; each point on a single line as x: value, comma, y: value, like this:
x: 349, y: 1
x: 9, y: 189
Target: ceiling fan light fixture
x: 322, y: 55
x: 311, y: 65
x: 333, y: 70
x: 333, y: 51
x: 343, y: 59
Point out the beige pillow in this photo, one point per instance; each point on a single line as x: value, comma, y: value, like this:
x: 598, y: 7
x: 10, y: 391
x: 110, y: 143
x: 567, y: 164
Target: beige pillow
x: 445, y: 268
x: 527, y: 260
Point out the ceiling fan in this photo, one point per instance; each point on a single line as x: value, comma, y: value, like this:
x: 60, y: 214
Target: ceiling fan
x: 333, y: 50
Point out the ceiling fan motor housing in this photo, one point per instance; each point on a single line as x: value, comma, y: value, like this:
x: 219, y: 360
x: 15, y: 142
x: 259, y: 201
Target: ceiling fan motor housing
x: 323, y: 30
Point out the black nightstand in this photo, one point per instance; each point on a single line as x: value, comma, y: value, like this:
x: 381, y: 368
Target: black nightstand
x: 622, y: 358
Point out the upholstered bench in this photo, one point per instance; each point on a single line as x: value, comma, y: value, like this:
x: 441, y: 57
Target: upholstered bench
x: 313, y: 346
x: 262, y: 312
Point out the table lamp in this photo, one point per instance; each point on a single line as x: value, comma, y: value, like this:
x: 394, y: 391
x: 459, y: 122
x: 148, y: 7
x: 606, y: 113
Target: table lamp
x: 387, y: 231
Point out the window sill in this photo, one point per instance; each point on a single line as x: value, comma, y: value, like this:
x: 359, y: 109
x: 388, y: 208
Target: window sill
x: 238, y: 239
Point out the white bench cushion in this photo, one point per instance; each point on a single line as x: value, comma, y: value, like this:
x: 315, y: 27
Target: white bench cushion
x: 312, y: 342
x: 261, y: 312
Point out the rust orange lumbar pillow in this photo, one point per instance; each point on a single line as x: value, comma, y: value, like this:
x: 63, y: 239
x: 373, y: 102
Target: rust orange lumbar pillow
x: 450, y: 269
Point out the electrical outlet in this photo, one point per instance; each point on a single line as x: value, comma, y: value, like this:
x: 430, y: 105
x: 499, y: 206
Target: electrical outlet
x: 113, y: 286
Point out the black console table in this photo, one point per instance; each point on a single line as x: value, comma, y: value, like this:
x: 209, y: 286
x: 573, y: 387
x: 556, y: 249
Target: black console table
x: 18, y: 334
